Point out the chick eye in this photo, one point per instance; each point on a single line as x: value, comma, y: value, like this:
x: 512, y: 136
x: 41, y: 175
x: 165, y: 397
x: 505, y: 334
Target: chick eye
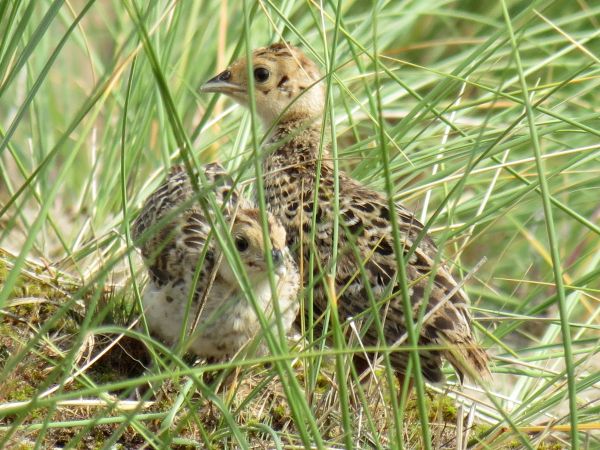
x: 241, y: 244
x: 261, y: 74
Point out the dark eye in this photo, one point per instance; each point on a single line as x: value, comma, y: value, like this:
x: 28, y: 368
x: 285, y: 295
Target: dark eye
x: 261, y: 74
x: 241, y: 243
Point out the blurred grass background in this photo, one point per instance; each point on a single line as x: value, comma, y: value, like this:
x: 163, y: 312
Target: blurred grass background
x: 491, y: 122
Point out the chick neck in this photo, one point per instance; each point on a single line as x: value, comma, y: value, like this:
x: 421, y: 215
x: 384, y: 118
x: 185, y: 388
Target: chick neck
x: 298, y: 136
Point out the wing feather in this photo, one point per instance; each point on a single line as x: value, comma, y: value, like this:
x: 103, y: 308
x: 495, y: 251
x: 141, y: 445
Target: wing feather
x: 171, y: 230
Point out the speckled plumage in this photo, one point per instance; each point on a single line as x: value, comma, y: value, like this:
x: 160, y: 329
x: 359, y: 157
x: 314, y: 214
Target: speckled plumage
x: 178, y: 240
x: 292, y: 100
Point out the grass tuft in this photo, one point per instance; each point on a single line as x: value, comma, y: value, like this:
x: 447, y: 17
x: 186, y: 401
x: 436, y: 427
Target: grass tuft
x: 482, y: 118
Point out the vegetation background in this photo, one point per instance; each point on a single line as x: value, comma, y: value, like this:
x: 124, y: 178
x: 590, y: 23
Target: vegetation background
x: 485, y: 117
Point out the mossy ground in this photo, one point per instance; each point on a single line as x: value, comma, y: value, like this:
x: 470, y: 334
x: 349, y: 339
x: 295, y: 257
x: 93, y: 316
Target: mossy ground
x: 253, y: 394
x: 467, y: 105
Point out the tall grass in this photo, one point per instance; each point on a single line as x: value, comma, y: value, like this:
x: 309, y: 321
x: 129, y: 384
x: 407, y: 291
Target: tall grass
x: 482, y: 117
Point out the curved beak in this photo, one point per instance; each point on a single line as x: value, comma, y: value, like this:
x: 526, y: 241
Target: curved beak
x: 221, y: 84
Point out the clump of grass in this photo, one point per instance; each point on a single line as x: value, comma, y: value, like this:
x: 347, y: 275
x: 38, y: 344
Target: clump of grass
x: 485, y: 120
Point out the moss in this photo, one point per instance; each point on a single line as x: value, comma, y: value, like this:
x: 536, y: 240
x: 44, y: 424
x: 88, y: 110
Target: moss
x: 478, y: 432
x: 443, y: 408
x: 33, y: 280
x: 550, y: 446
x: 323, y: 384
x: 23, y: 445
x: 22, y: 388
x: 6, y: 343
x: 30, y: 287
x: 18, y: 391
x: 279, y: 412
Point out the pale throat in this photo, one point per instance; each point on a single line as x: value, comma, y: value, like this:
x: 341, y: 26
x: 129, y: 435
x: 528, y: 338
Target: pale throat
x: 294, y: 108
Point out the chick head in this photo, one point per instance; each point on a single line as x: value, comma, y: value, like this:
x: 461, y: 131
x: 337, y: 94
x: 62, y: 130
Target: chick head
x: 286, y: 84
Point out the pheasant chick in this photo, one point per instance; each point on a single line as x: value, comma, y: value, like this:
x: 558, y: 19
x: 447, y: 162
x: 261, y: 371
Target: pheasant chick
x: 227, y: 320
x: 300, y: 191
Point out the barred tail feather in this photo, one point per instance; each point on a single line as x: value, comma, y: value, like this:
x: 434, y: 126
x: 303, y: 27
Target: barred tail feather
x: 468, y: 359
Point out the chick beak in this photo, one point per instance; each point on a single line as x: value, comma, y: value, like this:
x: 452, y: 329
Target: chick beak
x: 277, y: 257
x: 221, y: 83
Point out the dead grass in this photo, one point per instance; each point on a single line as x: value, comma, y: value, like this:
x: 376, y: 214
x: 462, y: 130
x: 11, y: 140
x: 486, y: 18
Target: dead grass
x: 254, y: 395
